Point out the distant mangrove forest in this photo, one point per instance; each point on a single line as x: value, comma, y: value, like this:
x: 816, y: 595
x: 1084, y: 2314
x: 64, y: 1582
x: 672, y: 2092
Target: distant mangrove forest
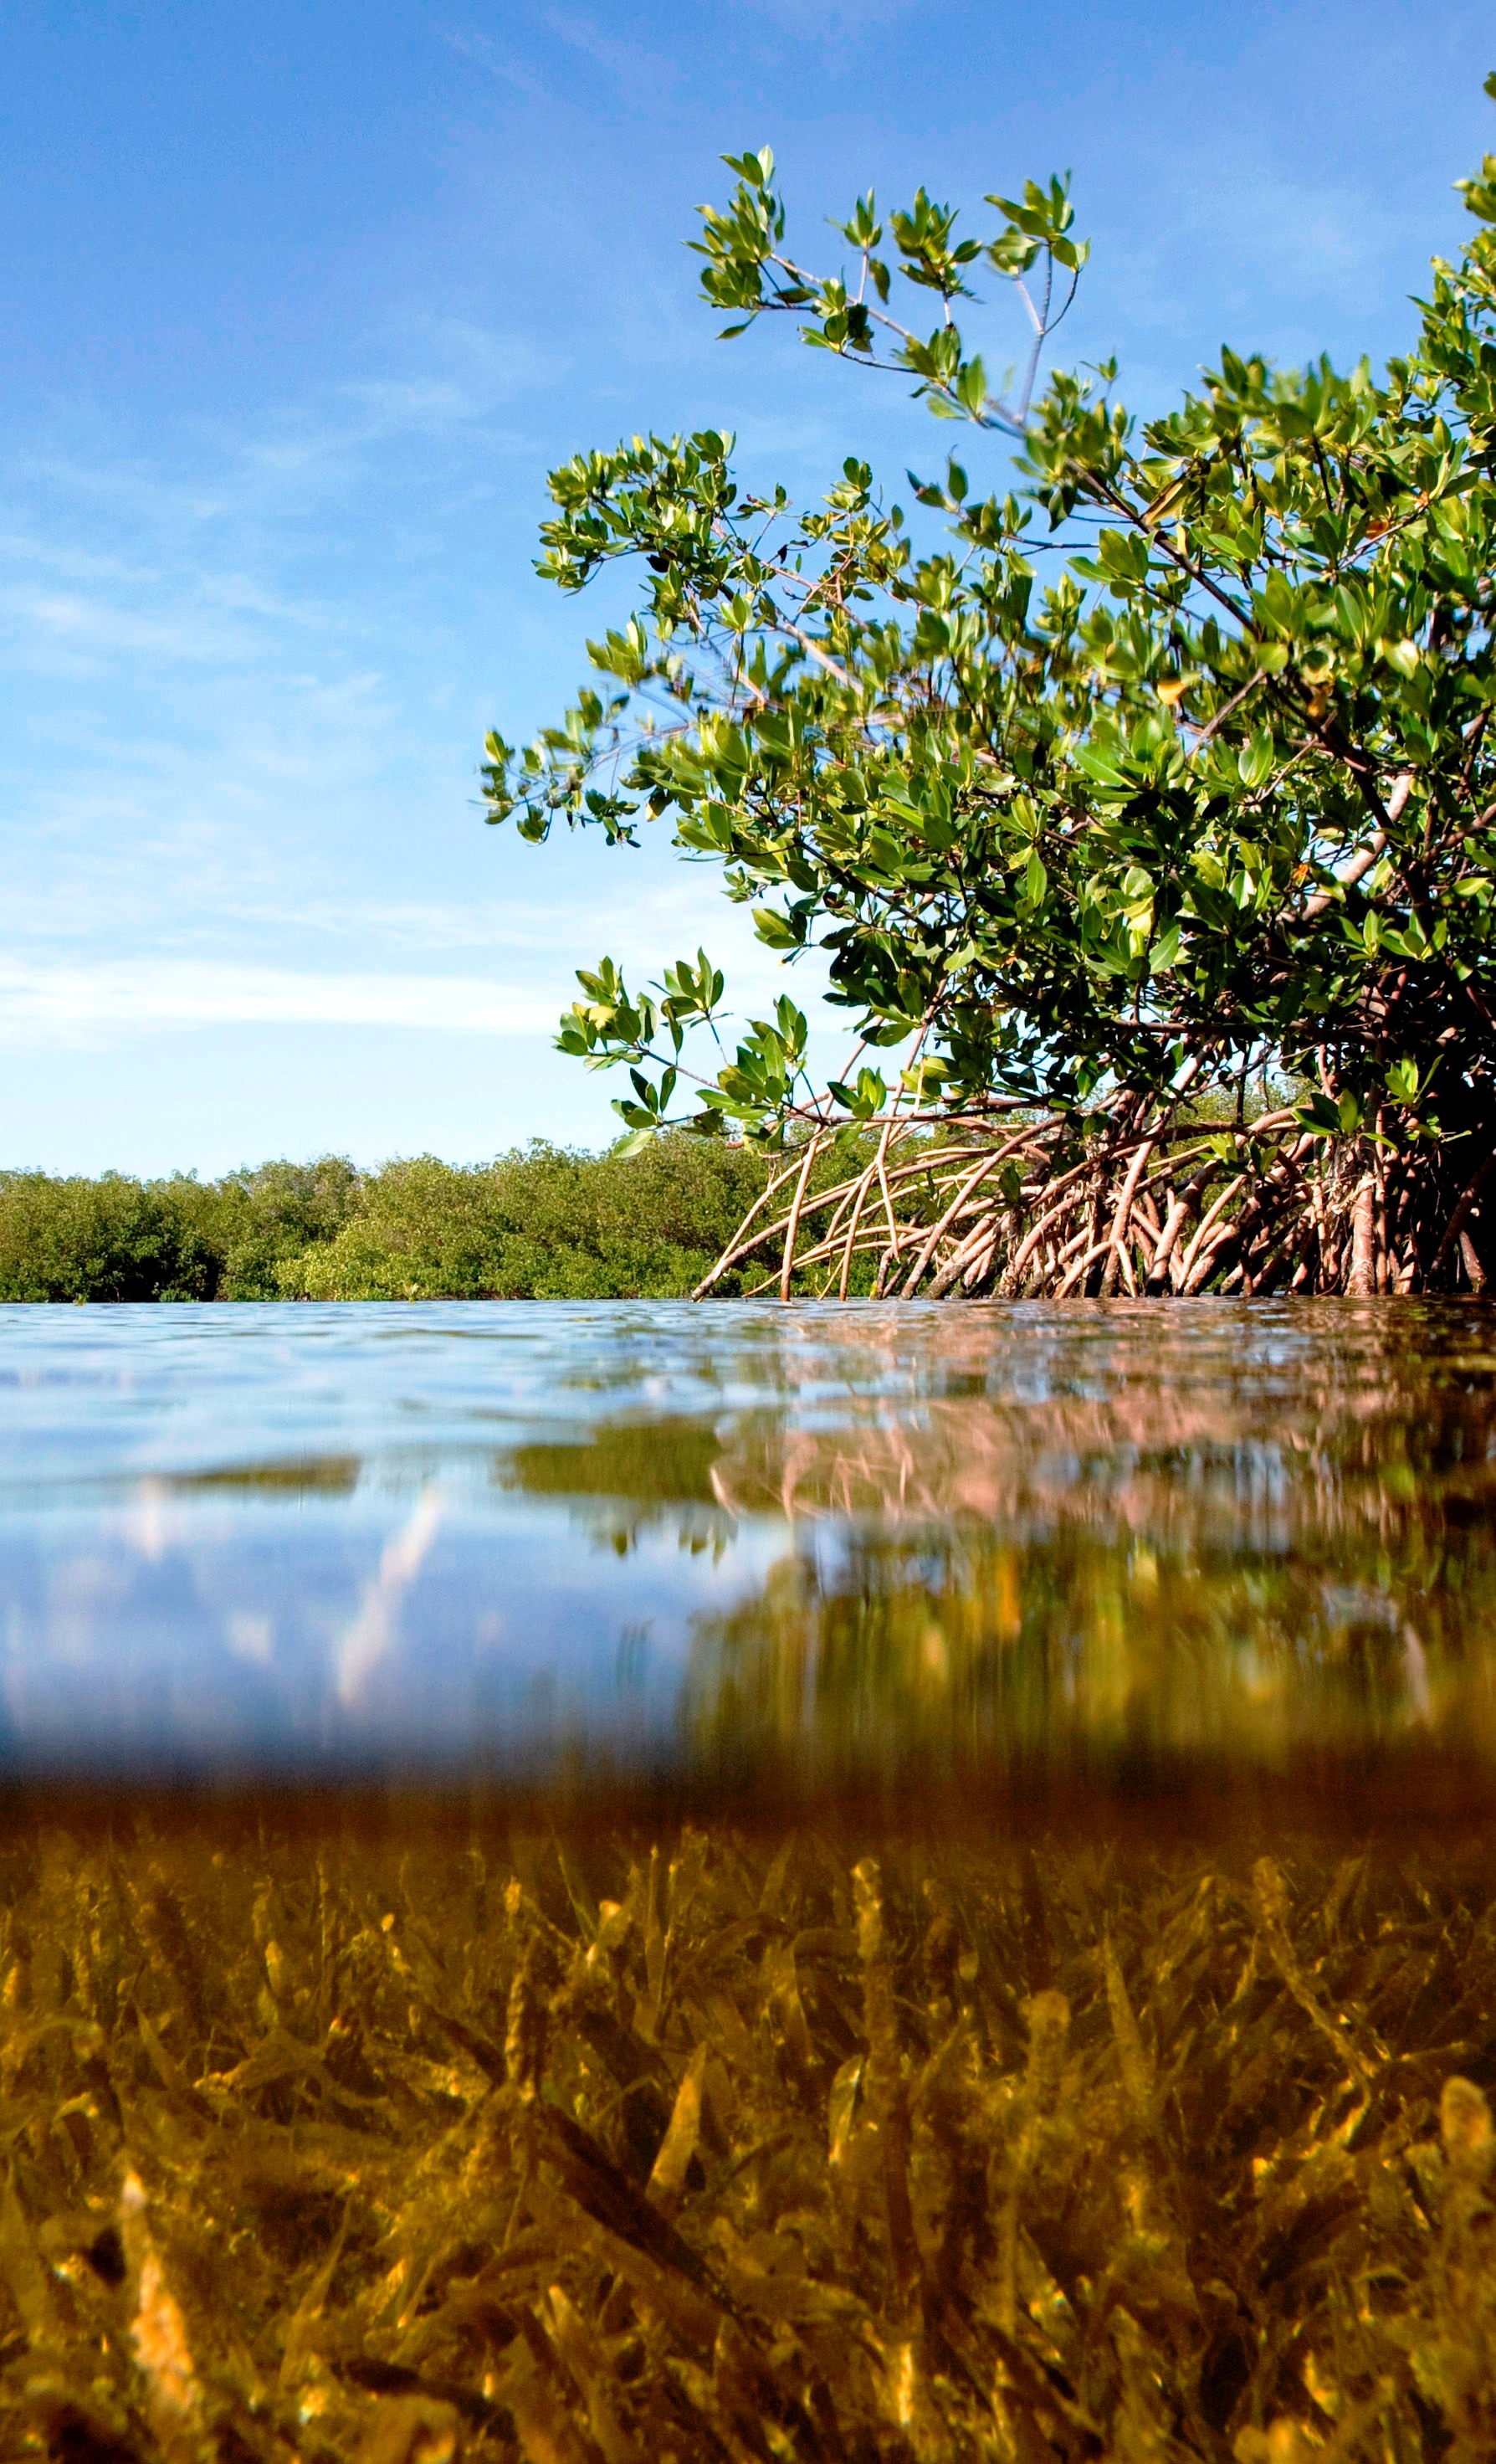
x: 540, y: 1222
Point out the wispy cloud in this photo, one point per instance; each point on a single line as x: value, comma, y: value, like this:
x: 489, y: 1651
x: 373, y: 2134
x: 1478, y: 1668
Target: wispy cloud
x: 455, y: 375
x: 640, y: 75
x: 251, y: 665
x: 100, y: 1003
x: 820, y: 19
x: 486, y: 54
x: 1281, y: 252
x: 425, y: 375
x: 78, y: 632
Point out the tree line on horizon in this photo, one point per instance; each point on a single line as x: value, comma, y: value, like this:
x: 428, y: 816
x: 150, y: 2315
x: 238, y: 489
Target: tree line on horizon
x: 540, y: 1222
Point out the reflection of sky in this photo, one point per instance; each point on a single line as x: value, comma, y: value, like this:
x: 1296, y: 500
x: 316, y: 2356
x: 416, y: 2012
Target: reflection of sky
x: 236, y: 1534
x: 371, y: 1624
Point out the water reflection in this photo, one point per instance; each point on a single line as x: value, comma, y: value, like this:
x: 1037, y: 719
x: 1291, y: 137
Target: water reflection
x: 818, y: 1542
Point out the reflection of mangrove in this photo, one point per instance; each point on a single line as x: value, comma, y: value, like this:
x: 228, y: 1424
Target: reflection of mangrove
x: 629, y: 1482
x: 625, y: 1480
x: 1064, y: 1531
x: 655, y: 1460
x: 425, y: 2146
x: 1251, y: 1427
x: 1150, y: 1554
x: 312, y: 1475
x: 953, y: 1647
x: 1300, y: 1420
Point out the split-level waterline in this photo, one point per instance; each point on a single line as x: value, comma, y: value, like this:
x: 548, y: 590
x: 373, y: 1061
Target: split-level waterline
x: 857, y: 1883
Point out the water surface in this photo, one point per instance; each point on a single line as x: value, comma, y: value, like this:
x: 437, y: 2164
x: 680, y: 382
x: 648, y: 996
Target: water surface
x: 745, y: 1541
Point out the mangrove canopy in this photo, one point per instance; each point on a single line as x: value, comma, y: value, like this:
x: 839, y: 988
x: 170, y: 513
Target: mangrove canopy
x: 1145, y: 813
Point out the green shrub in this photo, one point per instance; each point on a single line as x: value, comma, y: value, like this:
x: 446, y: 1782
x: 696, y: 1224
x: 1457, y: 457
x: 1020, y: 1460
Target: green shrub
x: 275, y: 1211
x: 113, y: 1238
x: 117, y: 1238
x: 424, y: 1230
x: 541, y: 1223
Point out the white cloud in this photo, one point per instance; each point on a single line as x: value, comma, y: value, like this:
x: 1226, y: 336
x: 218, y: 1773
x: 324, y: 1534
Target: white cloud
x: 430, y: 375
x: 71, y: 631
x: 1273, y: 247
x: 72, y: 1004
x: 240, y: 789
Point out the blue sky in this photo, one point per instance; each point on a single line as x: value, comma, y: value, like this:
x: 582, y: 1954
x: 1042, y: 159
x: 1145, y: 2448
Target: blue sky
x: 298, y: 302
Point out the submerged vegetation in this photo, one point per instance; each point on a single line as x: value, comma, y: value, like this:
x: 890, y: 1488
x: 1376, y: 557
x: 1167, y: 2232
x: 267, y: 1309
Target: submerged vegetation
x: 408, y: 2144
x: 538, y: 1223
x: 1173, y: 765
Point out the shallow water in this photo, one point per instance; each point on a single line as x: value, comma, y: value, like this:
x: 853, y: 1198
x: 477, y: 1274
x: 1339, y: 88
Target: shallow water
x: 752, y: 1546
x: 893, y: 1885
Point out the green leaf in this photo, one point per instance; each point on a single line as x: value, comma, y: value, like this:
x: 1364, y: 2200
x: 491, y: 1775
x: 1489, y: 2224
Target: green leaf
x: 865, y: 1099
x: 1318, y: 1115
x: 778, y: 931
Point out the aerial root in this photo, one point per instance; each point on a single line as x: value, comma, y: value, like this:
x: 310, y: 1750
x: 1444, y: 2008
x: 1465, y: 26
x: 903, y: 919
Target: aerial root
x: 1133, y: 1202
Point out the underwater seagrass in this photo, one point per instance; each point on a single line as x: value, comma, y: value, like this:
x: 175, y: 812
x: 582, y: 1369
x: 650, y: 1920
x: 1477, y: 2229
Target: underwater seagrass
x: 409, y: 2136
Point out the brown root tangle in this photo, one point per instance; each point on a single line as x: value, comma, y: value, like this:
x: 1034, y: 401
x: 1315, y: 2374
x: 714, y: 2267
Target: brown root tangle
x: 1128, y: 1202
